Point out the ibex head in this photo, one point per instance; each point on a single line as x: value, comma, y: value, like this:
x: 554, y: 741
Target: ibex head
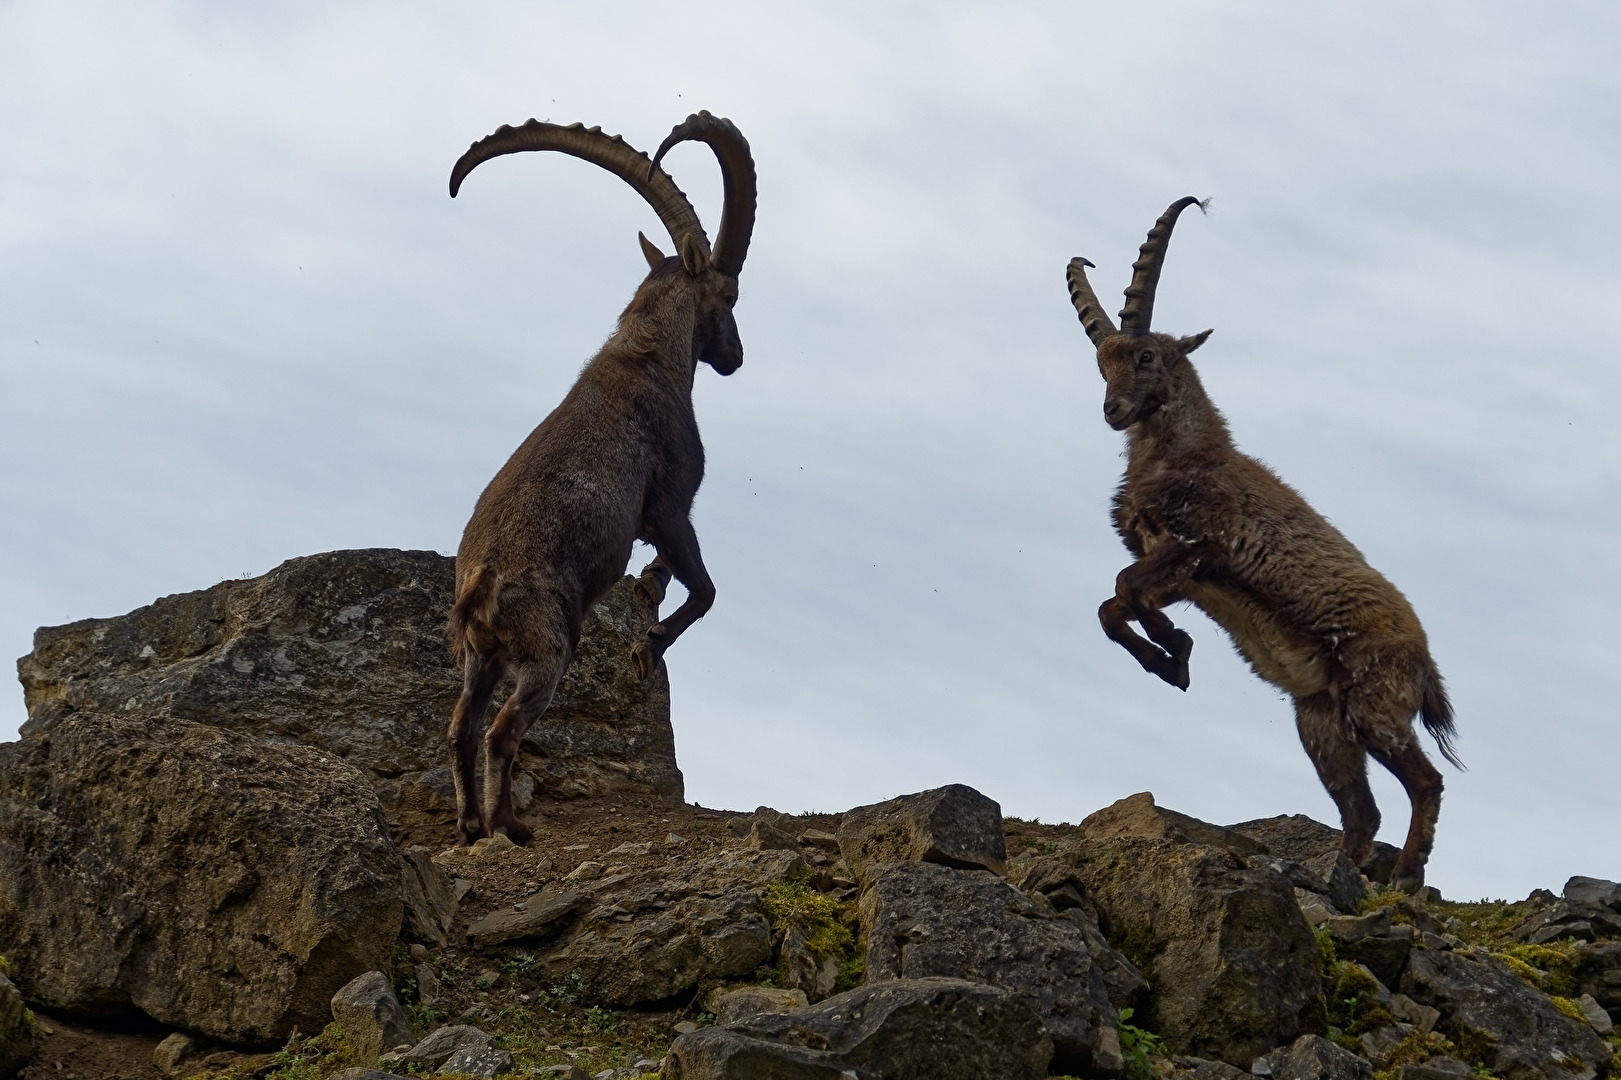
x: 708, y: 278
x: 1139, y: 367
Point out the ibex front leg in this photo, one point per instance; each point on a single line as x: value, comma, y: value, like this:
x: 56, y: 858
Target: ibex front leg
x: 1139, y: 591
x: 679, y: 555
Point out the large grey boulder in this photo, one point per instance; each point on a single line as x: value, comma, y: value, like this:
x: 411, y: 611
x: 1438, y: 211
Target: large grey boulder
x: 1232, y: 961
x: 648, y: 935
x: 923, y: 1029
x: 1519, y: 1032
x: 953, y: 825
x: 345, y: 651
x: 16, y: 1033
x: 921, y: 920
x: 369, y: 1015
x: 212, y: 881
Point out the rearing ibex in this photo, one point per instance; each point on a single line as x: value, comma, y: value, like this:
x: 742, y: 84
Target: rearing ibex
x: 619, y: 460
x: 1214, y: 526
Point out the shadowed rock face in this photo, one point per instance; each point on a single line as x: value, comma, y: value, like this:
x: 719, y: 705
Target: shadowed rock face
x: 1231, y: 960
x: 345, y: 651
x: 908, y: 1029
x: 211, y: 881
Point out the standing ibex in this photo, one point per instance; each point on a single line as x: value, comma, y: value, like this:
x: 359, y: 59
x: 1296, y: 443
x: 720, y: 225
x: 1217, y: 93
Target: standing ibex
x: 619, y: 460
x: 1214, y: 526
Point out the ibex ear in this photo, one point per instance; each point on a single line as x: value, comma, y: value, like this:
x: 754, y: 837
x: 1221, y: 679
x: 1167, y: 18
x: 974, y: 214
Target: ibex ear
x: 653, y: 255
x: 693, y: 256
x: 1188, y: 344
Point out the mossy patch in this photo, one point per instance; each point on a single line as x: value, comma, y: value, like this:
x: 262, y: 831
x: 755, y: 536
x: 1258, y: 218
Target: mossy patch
x: 826, y: 923
x: 1550, y: 968
x: 1352, y: 996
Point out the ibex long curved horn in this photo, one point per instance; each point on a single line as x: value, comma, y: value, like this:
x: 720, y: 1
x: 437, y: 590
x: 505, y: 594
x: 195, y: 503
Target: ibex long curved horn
x: 609, y: 151
x: 737, y: 173
x: 1093, y: 317
x: 1138, y: 314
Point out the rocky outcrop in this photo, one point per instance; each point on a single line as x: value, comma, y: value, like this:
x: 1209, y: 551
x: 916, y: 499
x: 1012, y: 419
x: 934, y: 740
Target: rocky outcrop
x: 16, y: 1032
x: 367, y: 1012
x: 953, y: 825
x: 1514, y: 1030
x: 1138, y: 815
x: 647, y: 936
x: 1302, y: 840
x: 209, y: 881
x: 920, y: 920
x: 345, y: 652
x: 924, y: 1029
x: 1232, y: 964
x: 1312, y: 1057
x: 459, y: 1050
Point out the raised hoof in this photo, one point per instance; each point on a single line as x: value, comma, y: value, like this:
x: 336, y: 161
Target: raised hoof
x: 1174, y: 671
x: 650, y: 588
x: 641, y: 661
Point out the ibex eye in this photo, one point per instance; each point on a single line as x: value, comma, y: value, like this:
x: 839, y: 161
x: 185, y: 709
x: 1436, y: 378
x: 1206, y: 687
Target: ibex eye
x: 1146, y: 358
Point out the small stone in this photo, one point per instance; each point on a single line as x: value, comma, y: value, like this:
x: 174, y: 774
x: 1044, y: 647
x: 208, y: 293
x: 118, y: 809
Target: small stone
x: 487, y: 979
x: 172, y: 1051
x: 369, y: 1016
x: 577, y: 847
x: 492, y: 845
x: 615, y: 871
x: 586, y: 871
x: 820, y: 838
x: 1378, y: 1044
x: 734, y: 1006
x: 685, y: 1027
x: 675, y: 840
x: 462, y: 887
x: 605, y: 1074
x: 1595, y: 1014
x: 563, y: 1072
x: 419, y: 952
x: 633, y: 849
x: 427, y: 985
x: 536, y: 918
x: 1316, y: 908
x: 1421, y: 1017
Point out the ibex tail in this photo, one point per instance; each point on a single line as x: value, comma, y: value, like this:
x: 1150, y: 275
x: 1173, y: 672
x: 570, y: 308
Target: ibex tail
x: 471, y: 617
x: 1436, y: 712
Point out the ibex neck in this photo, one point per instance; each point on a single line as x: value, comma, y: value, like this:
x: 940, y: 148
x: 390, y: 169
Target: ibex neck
x: 1188, y: 424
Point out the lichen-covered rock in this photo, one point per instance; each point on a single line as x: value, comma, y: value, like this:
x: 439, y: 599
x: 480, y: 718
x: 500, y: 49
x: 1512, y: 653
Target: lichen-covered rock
x: 345, y: 651
x: 953, y: 825
x: 16, y: 1033
x: 914, y: 1029
x: 1372, y: 940
x: 648, y: 935
x: 460, y: 1050
x: 920, y: 920
x: 747, y: 1002
x: 212, y: 881
x: 1514, y: 1030
x: 369, y: 1015
x: 1232, y: 963
x: 1312, y: 1057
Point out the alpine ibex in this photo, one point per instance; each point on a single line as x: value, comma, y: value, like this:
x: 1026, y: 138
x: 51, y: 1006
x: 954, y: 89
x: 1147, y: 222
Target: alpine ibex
x: 1216, y: 527
x: 619, y: 460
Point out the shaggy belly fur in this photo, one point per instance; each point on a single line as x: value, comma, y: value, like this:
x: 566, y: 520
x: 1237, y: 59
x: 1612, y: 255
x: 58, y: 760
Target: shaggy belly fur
x: 1286, y: 660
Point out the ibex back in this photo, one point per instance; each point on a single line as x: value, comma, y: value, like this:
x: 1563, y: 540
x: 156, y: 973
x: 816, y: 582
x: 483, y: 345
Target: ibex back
x: 1216, y: 527
x: 619, y: 460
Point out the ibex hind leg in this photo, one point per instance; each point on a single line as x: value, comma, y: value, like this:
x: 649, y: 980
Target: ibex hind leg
x: 1342, y: 765
x: 537, y: 681
x: 1423, y: 783
x: 480, y: 676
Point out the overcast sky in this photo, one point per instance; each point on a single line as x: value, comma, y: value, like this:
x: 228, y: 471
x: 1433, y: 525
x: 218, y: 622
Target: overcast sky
x: 241, y: 320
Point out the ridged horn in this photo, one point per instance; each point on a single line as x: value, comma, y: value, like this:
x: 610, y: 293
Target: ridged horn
x: 737, y: 173
x: 609, y: 151
x: 1093, y: 317
x: 1138, y: 314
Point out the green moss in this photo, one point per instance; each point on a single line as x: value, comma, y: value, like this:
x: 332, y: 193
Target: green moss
x: 1568, y: 1007
x: 826, y: 923
x: 1550, y: 968
x: 1352, y: 995
x: 1419, y: 1047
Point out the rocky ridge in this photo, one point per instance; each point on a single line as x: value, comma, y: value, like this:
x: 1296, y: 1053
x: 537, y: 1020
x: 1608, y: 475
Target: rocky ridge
x: 180, y: 898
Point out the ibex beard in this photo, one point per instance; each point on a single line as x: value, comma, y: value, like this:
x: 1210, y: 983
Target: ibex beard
x: 1213, y: 526
x: 619, y: 460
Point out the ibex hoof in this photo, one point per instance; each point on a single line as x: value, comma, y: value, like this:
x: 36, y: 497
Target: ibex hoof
x: 642, y: 661
x: 517, y: 832
x: 650, y: 588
